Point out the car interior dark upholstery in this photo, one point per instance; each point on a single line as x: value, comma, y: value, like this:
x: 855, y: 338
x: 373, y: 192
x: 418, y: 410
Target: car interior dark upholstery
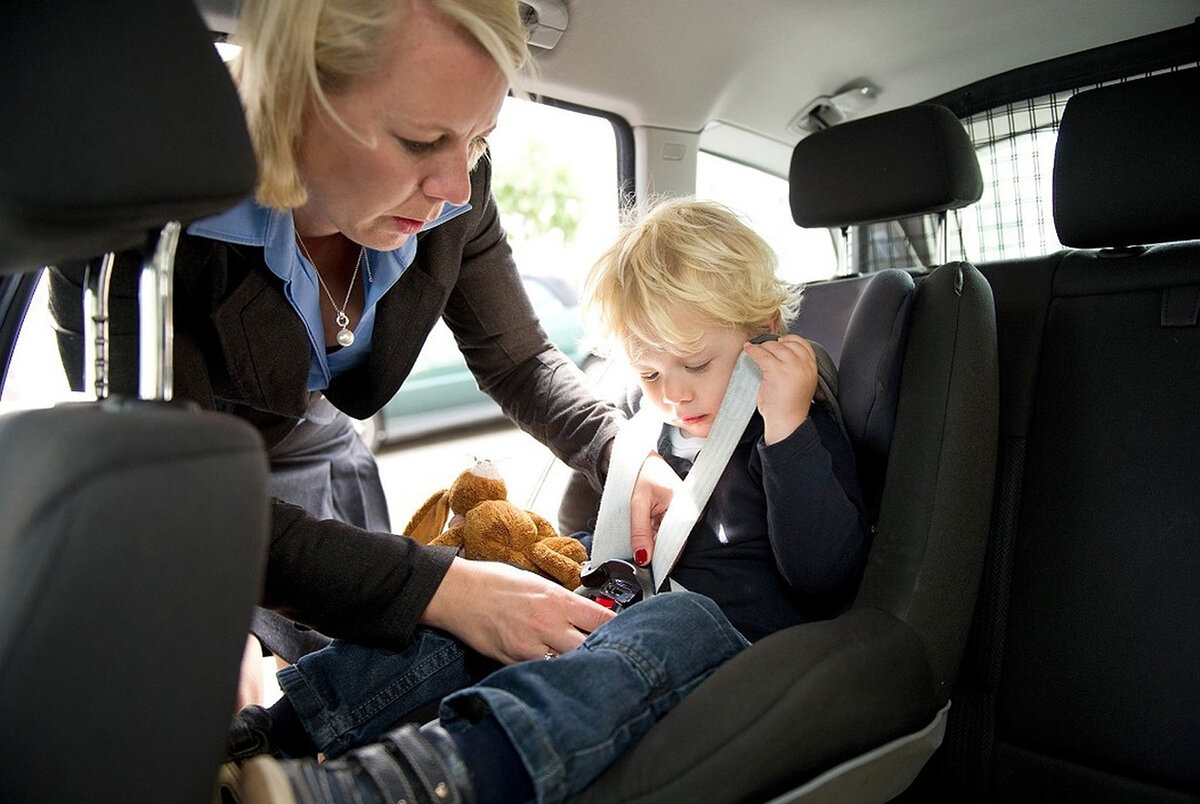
x: 871, y: 347
x: 851, y: 708
x: 133, y: 531
x: 1080, y: 678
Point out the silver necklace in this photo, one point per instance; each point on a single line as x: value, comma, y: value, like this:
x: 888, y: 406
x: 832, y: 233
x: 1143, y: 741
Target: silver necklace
x: 344, y: 337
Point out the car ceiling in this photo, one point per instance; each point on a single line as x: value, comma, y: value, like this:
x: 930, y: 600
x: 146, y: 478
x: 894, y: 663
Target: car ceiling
x: 754, y: 64
x: 739, y: 71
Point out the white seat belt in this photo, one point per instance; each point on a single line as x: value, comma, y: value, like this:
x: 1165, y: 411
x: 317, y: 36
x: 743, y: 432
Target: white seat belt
x: 630, y: 450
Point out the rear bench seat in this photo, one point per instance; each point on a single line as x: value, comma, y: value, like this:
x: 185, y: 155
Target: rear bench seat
x: 1081, y: 680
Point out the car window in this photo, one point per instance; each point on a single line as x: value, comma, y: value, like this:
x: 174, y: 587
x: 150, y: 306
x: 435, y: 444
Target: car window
x: 1015, y: 145
x: 35, y: 376
x: 1013, y: 219
x: 555, y: 176
x: 1015, y: 148
x: 804, y: 254
x: 556, y: 185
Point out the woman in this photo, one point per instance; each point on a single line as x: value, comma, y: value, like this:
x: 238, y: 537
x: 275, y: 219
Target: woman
x: 373, y: 217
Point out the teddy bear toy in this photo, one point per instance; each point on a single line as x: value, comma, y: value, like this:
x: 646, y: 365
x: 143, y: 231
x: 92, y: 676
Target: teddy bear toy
x: 486, y: 526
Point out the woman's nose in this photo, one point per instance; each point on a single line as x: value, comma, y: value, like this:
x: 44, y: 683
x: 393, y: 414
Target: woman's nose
x: 449, y: 179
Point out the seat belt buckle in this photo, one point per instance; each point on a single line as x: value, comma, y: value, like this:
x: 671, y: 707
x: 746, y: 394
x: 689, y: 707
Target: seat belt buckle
x: 615, y: 584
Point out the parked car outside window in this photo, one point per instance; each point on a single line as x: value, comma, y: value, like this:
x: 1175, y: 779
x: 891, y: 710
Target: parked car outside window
x: 441, y: 394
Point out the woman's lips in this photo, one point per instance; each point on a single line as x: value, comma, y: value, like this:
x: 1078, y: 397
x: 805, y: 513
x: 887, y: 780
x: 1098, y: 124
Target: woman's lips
x: 408, y: 226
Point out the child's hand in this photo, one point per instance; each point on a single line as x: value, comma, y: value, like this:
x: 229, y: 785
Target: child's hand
x: 789, y: 369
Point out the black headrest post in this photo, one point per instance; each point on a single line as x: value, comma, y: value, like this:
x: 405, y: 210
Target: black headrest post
x: 97, y: 281
x: 943, y: 240
x: 843, y: 256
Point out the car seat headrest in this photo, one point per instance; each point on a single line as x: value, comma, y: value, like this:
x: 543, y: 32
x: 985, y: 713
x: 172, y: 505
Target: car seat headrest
x: 1127, y: 163
x: 117, y: 118
x: 906, y: 162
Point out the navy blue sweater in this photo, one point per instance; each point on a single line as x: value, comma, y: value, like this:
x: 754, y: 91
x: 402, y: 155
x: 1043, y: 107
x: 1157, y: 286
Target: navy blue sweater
x: 784, y: 537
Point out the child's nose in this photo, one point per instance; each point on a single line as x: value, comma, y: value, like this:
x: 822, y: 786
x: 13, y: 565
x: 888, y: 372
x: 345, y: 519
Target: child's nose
x: 676, y: 391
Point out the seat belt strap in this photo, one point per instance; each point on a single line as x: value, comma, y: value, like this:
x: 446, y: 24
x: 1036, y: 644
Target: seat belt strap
x: 737, y: 406
x: 635, y: 442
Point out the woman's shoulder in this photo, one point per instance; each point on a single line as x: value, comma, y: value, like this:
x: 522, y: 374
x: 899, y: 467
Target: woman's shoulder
x: 217, y: 264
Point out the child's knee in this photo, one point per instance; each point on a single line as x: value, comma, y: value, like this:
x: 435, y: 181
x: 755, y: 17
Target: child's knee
x: 689, y: 618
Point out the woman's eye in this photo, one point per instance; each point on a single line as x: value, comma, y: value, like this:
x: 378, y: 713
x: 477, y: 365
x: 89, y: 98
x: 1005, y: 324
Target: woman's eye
x: 417, y: 147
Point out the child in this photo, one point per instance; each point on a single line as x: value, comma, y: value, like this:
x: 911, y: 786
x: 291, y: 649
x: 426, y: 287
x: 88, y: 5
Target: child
x: 783, y: 538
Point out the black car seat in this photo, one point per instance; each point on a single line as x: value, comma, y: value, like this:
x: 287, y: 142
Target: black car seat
x: 870, y: 343
x: 1080, y: 679
x: 132, y: 531
x: 851, y: 708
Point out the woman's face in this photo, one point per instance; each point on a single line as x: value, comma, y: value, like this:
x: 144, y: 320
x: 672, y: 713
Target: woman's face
x: 436, y: 98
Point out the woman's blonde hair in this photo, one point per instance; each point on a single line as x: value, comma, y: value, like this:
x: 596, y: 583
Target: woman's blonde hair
x: 296, y: 52
x: 685, y: 267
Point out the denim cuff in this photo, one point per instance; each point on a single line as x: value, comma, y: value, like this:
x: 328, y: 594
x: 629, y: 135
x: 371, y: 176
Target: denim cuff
x: 547, y: 768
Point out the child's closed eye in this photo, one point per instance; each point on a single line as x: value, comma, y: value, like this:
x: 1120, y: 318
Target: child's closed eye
x: 700, y: 369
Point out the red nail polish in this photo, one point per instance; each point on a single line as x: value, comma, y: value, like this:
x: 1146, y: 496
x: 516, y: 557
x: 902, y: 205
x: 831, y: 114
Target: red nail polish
x: 639, y: 558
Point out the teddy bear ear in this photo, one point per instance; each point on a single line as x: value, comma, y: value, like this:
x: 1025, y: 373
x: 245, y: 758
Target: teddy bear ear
x: 430, y: 519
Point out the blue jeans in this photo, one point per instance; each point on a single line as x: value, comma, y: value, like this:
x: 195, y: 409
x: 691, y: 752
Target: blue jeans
x: 571, y: 718
x: 347, y: 695
x: 568, y: 719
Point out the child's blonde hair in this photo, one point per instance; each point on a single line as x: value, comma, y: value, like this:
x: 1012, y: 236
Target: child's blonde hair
x: 296, y: 52
x: 686, y: 267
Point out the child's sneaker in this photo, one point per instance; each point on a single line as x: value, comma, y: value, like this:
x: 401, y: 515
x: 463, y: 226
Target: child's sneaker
x: 403, y: 766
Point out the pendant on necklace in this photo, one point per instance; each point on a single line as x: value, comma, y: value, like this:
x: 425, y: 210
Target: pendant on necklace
x: 345, y: 337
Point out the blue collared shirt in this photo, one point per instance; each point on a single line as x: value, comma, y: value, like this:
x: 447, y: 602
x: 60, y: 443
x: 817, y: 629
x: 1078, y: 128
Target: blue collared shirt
x: 250, y: 224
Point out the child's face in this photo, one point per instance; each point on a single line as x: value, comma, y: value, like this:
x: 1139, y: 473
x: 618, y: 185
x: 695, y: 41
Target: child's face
x: 688, y: 389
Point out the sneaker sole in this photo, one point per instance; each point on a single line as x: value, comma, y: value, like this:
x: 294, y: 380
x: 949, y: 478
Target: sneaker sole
x: 263, y: 782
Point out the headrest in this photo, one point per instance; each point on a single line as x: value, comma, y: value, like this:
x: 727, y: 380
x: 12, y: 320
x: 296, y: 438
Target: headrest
x: 117, y: 117
x: 1127, y: 163
x: 894, y: 165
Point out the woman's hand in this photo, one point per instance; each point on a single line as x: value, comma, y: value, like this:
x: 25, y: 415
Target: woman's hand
x: 789, y: 369
x: 652, y: 492
x: 510, y: 614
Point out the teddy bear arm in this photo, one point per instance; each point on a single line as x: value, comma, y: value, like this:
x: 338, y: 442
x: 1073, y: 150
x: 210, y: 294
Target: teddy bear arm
x: 567, y: 546
x: 561, y: 568
x: 453, y: 537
